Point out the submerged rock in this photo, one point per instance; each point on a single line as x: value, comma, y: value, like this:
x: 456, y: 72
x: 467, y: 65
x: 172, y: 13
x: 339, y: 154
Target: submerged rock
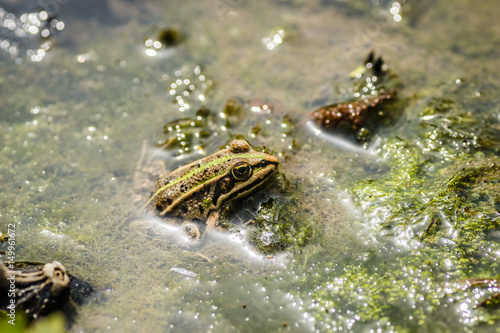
x: 170, y: 36
x: 374, y: 91
x: 355, y: 115
x: 37, y: 290
x: 40, y: 289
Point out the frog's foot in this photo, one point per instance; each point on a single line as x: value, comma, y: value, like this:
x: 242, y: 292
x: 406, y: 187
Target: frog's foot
x: 192, y: 230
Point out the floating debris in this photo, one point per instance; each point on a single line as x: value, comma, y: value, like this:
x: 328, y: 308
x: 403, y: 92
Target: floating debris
x: 170, y: 36
x: 352, y: 115
x: 164, y: 39
x: 184, y: 271
x: 373, y: 88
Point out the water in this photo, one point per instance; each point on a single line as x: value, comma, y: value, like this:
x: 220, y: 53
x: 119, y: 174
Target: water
x: 73, y: 119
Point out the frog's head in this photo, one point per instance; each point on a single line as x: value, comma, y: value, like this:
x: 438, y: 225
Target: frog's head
x: 201, y: 187
x: 247, y: 169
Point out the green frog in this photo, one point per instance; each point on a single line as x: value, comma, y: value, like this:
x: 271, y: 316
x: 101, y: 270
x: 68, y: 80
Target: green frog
x: 198, y: 190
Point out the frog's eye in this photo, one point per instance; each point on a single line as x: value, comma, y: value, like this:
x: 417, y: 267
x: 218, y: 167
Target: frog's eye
x: 241, y: 171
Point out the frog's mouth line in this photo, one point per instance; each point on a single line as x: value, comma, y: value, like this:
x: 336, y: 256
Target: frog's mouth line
x: 265, y: 171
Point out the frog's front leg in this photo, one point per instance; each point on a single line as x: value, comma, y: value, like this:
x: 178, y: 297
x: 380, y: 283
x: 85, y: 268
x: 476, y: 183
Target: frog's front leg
x: 196, y: 232
x: 213, y: 220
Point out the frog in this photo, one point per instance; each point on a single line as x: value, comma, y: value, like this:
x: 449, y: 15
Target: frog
x: 198, y: 191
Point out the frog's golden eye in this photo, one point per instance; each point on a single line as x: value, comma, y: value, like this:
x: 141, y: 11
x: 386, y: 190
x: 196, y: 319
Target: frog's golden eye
x: 241, y: 171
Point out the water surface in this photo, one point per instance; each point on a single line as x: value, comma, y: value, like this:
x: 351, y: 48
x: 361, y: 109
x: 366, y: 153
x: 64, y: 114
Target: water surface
x: 74, y: 117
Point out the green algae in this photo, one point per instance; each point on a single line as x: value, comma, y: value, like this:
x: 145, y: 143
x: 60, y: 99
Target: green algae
x: 401, y: 295
x: 442, y: 178
x: 272, y: 217
x: 55, y: 323
x: 278, y: 226
x: 188, y: 134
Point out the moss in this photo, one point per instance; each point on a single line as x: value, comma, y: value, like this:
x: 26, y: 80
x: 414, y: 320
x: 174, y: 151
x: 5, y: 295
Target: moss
x: 278, y: 226
x: 54, y: 323
x: 438, y: 205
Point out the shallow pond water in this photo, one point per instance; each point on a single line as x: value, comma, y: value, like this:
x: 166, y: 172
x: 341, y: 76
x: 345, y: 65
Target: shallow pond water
x: 384, y: 236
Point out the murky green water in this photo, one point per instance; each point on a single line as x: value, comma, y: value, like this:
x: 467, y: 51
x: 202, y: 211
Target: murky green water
x: 381, y: 238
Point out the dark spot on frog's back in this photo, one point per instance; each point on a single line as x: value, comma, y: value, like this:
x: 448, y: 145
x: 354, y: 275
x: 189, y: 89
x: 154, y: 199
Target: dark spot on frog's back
x: 162, y: 202
x: 206, y: 189
x: 165, y: 181
x: 184, y: 187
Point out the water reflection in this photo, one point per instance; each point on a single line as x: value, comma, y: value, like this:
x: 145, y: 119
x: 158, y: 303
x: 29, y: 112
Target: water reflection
x: 341, y: 142
x: 211, y: 245
x: 27, y: 35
